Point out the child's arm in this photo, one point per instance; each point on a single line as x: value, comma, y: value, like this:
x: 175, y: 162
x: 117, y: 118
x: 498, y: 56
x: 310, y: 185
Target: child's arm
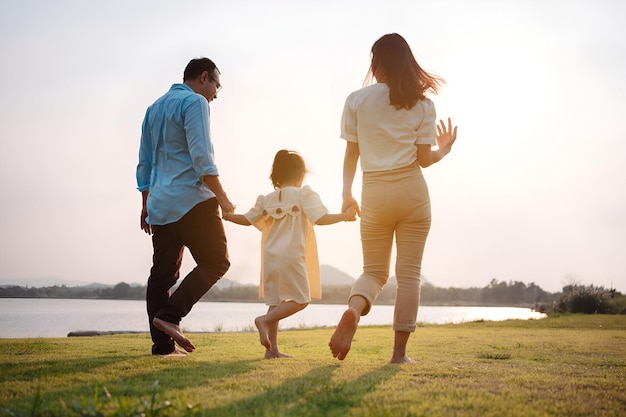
x: 347, y: 216
x: 237, y: 218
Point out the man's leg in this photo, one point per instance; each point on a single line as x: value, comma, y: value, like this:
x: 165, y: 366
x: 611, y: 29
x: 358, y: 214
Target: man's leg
x: 202, y: 231
x: 166, y: 261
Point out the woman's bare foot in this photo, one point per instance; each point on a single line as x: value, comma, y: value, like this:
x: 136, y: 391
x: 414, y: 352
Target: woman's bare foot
x: 173, y: 331
x: 341, y: 340
x: 264, y: 337
x: 400, y: 359
x: 269, y: 354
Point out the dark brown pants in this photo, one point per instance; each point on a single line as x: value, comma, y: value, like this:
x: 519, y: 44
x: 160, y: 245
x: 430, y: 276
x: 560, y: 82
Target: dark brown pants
x: 202, y: 232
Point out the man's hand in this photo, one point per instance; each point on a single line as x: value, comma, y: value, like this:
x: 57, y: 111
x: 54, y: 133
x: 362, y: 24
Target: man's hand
x: 144, y: 213
x: 145, y: 226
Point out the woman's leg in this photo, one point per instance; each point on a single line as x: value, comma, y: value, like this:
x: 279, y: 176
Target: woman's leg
x: 377, y: 230
x: 411, y: 234
x: 399, y: 348
x: 410, y: 248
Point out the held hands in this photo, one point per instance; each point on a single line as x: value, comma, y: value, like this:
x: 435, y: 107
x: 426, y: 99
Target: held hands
x: 350, y: 213
x: 445, y: 136
x: 226, y: 205
x: 350, y: 203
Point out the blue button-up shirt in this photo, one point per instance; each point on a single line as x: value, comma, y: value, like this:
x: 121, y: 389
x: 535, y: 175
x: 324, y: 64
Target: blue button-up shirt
x: 174, y: 154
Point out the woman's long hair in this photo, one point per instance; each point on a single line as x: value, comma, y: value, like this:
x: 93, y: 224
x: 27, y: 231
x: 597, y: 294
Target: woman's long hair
x: 407, y: 81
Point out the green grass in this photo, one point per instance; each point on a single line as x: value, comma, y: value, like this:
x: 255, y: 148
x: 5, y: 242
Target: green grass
x: 560, y: 366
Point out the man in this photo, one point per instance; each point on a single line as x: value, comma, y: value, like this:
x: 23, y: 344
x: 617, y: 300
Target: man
x: 181, y: 192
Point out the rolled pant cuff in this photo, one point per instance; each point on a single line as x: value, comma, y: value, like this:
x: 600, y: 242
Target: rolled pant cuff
x: 404, y: 327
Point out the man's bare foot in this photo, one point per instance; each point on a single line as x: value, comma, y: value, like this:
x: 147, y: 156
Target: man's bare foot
x: 341, y: 340
x: 263, y: 334
x: 176, y: 353
x: 173, y: 331
x: 275, y: 355
x: 400, y: 359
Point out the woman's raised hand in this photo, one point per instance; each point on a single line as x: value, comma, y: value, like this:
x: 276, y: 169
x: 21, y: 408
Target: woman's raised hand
x: 445, y: 135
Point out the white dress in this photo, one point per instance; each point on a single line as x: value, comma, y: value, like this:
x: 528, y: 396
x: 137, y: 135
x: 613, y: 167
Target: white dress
x: 289, y: 261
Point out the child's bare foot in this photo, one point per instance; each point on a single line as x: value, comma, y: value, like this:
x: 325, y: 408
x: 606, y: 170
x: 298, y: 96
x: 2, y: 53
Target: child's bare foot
x: 275, y: 355
x: 260, y: 324
x: 341, y: 340
x: 173, y: 331
x: 400, y: 359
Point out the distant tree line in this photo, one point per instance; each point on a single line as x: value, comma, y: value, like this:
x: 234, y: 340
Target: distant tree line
x: 573, y: 299
x: 121, y: 291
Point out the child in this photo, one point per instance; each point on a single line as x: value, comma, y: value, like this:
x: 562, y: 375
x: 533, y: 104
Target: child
x: 290, y: 275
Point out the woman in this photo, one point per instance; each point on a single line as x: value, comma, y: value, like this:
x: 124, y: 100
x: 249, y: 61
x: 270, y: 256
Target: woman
x: 391, y: 126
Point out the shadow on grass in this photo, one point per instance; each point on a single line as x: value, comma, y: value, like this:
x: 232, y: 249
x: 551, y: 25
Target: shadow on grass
x: 50, y: 368
x: 181, y: 375
x: 122, y: 375
x: 312, y: 394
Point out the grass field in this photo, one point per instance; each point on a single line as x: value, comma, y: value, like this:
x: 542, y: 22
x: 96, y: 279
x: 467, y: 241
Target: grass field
x: 560, y: 366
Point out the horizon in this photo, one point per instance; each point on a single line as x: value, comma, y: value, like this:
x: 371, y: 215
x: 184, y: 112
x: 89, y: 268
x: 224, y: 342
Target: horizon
x: 52, y: 281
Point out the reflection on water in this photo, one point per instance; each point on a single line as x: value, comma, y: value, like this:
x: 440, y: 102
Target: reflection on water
x: 43, y: 317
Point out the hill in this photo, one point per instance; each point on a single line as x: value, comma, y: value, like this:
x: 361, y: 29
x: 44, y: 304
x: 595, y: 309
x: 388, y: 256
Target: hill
x: 332, y: 276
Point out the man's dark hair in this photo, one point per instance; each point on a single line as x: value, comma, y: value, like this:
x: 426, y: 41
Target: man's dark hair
x: 197, y: 66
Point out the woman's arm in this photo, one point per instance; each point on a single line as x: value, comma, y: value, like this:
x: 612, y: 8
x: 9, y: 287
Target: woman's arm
x: 350, y: 160
x: 445, y: 139
x: 236, y: 218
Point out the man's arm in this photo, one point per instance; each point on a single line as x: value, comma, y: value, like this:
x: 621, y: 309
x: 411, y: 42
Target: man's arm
x: 214, y: 184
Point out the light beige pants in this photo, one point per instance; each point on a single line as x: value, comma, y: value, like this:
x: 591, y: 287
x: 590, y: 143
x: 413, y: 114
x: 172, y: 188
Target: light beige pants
x: 394, y: 203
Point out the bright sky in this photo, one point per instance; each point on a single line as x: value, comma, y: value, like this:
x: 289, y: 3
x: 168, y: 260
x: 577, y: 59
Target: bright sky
x: 533, y: 190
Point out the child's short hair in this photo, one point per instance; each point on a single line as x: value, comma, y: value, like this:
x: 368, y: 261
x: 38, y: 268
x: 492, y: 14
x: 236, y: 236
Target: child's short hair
x: 287, y: 166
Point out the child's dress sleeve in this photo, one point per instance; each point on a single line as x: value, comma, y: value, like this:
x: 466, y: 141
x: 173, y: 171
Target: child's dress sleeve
x: 255, y: 214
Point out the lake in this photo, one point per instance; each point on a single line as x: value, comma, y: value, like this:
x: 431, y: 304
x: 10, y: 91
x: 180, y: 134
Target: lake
x: 45, y: 317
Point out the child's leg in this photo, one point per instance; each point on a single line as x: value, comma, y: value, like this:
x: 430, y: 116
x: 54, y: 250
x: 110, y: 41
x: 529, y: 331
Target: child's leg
x: 274, y: 352
x: 273, y: 316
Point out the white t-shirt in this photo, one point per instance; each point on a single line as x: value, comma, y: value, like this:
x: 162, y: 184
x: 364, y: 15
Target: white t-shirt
x: 387, y: 137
